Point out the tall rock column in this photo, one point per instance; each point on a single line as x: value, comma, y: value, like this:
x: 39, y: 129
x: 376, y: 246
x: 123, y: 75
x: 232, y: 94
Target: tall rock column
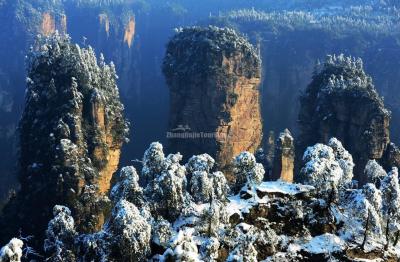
x: 214, y: 76
x: 284, y: 157
x: 342, y: 102
x: 71, y: 133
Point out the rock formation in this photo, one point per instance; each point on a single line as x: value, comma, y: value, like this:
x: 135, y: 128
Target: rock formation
x: 52, y: 22
x: 71, y: 133
x: 129, y: 31
x: 342, y: 102
x: 48, y: 24
x: 213, y: 75
x: 284, y: 157
x: 105, y: 22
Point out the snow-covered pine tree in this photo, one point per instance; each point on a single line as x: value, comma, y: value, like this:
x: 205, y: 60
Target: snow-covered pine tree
x: 166, y: 190
x: 329, y: 168
x: 162, y: 232
x: 345, y: 160
x: 204, y: 185
x: 183, y: 248
x: 247, y: 170
x: 374, y: 222
x: 128, y: 188
x: 12, y: 252
x: 152, y: 162
x: 60, y: 236
x: 374, y: 172
x: 209, y: 249
x: 322, y: 171
x: 391, y: 205
x: 131, y: 232
x: 244, y: 250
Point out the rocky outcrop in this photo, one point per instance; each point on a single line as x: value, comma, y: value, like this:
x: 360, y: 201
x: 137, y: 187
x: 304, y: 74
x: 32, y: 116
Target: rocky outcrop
x: 290, y: 223
x: 48, y: 24
x: 51, y: 23
x: 284, y: 157
x: 71, y: 134
x: 105, y: 22
x: 342, y: 102
x: 213, y: 75
x: 129, y: 31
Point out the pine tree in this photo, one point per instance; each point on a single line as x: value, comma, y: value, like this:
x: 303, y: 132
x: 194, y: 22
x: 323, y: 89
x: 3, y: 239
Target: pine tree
x: 128, y: 187
x: 152, y: 162
x: 12, y: 252
x: 247, y: 170
x: 131, y: 233
x: 166, y: 189
x: 203, y: 184
x: 60, y: 236
x: 391, y: 206
x: 374, y: 172
x: 322, y: 171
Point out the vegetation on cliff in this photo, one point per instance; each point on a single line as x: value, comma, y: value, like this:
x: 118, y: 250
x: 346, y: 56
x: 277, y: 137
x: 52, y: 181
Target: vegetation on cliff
x: 213, y: 41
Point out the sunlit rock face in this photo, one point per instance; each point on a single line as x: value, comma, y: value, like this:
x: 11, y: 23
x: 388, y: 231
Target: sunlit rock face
x: 342, y: 102
x: 130, y: 31
x: 52, y: 22
x: 71, y: 133
x: 284, y: 157
x: 214, y: 76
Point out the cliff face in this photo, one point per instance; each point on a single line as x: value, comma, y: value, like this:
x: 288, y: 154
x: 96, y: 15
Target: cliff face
x: 213, y: 75
x: 48, y: 24
x: 71, y: 134
x: 130, y: 31
x: 342, y: 102
x: 105, y: 22
x: 52, y: 22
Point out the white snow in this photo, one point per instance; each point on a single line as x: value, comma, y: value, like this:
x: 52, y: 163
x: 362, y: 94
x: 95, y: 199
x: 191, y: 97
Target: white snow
x: 239, y: 206
x: 12, y: 252
x: 323, y: 244
x: 283, y: 187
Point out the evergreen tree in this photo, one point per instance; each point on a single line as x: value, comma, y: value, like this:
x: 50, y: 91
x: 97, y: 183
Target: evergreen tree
x: 60, y: 236
x: 247, y: 170
x: 391, y: 206
x: 12, y: 252
x: 128, y: 187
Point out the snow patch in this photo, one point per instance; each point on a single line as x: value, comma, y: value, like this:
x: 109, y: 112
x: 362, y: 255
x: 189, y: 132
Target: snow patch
x: 283, y: 188
x: 323, y: 244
